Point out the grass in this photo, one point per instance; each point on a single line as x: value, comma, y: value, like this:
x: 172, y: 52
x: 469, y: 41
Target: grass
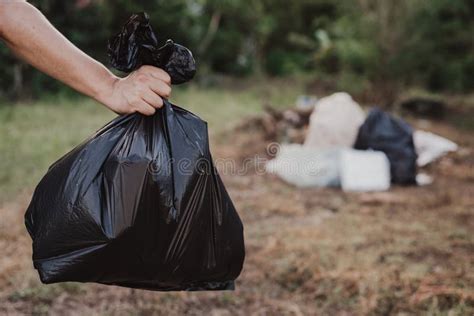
x: 33, y: 136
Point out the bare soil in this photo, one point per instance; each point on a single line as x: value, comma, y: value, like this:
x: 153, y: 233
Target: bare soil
x: 309, y: 252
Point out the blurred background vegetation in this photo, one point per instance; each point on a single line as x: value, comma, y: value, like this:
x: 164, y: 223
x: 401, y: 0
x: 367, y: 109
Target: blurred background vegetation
x: 360, y: 46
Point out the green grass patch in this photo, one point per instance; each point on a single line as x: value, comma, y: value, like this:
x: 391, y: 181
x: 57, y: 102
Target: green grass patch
x: 34, y: 135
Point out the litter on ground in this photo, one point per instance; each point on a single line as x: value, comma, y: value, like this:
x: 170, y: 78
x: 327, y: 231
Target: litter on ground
x: 330, y: 142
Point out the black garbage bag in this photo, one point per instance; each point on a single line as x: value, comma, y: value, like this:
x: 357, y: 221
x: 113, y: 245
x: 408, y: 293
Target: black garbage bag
x: 139, y: 204
x: 137, y: 45
x: 394, y: 137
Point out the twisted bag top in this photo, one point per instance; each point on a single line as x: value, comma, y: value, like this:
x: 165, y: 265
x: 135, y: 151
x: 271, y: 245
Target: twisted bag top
x: 139, y: 204
x: 137, y: 45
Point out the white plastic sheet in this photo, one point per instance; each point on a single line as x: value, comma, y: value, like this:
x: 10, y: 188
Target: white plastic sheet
x: 430, y: 147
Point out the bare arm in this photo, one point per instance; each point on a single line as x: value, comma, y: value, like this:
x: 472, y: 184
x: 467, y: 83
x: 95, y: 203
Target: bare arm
x: 31, y: 37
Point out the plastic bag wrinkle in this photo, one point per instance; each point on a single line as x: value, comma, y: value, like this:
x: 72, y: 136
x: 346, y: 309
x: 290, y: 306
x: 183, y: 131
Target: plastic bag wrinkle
x: 394, y: 137
x: 120, y: 209
x: 137, y: 45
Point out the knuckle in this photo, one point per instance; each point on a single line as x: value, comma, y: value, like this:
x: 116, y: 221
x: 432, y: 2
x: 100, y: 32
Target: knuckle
x: 131, y: 99
x: 165, y: 91
x: 135, y: 103
x: 135, y: 98
x: 142, y: 78
x: 144, y: 68
x: 163, y: 75
x: 141, y: 91
x: 158, y: 103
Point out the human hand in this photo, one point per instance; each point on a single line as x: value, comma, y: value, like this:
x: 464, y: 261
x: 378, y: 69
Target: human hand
x: 141, y: 91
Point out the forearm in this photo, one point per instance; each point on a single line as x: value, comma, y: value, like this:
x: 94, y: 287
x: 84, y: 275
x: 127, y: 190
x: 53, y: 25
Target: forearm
x: 31, y: 37
x: 29, y: 34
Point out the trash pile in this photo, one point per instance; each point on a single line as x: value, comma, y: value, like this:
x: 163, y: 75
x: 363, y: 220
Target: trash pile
x: 332, y: 142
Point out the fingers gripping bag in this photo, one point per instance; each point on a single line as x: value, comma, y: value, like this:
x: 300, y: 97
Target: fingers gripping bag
x: 139, y: 204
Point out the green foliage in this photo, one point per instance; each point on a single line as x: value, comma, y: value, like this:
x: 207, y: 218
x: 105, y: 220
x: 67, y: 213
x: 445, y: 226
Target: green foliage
x: 428, y: 43
x: 439, y: 45
x: 280, y: 62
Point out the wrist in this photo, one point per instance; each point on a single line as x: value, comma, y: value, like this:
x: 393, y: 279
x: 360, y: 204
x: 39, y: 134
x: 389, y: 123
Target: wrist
x: 104, y: 92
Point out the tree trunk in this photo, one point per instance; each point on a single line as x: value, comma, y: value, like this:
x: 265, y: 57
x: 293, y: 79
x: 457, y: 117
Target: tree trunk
x: 211, y: 32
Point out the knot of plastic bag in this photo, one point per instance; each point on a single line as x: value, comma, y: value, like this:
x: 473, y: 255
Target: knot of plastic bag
x: 137, y: 45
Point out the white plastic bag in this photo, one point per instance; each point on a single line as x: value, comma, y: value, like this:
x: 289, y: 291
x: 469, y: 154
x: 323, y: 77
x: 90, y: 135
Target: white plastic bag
x: 335, y: 122
x: 430, y: 147
x: 306, y: 167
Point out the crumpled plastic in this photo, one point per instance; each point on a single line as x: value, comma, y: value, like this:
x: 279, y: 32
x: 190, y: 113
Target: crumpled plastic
x: 394, y: 137
x: 334, y: 122
x: 137, y: 45
x: 430, y: 147
x: 139, y: 204
x: 305, y: 166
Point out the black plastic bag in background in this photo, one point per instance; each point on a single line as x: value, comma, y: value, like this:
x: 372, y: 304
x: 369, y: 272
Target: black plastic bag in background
x: 139, y: 204
x: 394, y: 137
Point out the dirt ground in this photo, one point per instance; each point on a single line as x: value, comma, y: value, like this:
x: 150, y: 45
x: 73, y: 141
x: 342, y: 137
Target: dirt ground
x: 309, y: 252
